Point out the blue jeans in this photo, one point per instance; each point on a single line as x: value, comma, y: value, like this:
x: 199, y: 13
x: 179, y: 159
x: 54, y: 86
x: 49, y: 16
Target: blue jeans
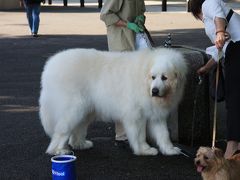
x: 33, y: 11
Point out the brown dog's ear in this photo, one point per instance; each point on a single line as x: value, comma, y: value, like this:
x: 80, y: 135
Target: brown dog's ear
x: 218, y: 152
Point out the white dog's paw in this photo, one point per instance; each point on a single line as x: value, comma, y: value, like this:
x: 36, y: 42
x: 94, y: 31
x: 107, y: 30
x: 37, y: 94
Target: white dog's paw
x: 82, y: 144
x: 59, y: 151
x: 151, y: 151
x: 147, y: 152
x: 63, y: 151
x: 171, y: 151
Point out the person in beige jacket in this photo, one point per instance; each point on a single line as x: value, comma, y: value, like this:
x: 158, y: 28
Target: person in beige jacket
x: 123, y: 19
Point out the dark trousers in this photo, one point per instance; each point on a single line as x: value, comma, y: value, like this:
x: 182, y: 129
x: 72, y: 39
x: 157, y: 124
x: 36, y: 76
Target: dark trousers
x: 232, y: 85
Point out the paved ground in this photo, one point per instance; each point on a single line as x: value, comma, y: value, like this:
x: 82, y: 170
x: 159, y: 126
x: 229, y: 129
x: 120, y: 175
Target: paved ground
x: 23, y: 142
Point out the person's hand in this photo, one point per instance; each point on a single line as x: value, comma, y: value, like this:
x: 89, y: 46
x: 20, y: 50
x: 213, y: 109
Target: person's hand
x: 206, y: 68
x: 202, y: 71
x: 134, y: 27
x: 220, y: 39
x: 140, y: 18
x: 140, y: 21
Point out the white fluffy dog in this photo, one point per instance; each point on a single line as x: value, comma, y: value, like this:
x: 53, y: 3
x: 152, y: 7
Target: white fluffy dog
x: 139, y: 88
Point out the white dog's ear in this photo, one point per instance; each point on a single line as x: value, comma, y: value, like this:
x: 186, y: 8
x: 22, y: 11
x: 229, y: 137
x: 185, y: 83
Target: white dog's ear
x: 181, y: 70
x: 181, y: 77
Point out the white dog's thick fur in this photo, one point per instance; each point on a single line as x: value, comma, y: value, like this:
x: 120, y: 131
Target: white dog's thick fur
x: 139, y: 88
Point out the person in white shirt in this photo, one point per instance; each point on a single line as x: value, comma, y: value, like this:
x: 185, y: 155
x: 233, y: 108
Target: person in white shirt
x: 226, y: 38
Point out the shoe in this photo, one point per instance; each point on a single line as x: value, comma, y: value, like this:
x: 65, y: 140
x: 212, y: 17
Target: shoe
x: 121, y: 143
x: 34, y: 34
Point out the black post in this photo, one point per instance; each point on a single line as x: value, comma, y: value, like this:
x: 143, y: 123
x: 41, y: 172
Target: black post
x: 99, y: 3
x: 188, y: 6
x: 82, y: 3
x: 49, y: 2
x: 65, y: 2
x: 164, y: 5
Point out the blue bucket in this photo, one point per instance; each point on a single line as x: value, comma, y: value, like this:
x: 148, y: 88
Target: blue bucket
x: 63, y: 167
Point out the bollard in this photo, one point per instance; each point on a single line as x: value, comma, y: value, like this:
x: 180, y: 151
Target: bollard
x: 164, y: 5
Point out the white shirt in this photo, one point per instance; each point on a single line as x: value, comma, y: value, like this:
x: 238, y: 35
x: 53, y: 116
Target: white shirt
x: 217, y: 8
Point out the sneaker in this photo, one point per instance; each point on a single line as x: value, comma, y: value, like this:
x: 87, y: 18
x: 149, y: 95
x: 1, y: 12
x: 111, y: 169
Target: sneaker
x: 34, y: 34
x: 121, y: 143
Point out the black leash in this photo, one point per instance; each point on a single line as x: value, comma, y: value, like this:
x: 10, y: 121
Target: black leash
x: 185, y: 151
x: 149, y: 36
x: 187, y: 154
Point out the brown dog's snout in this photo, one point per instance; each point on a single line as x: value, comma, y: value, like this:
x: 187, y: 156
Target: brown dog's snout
x: 197, y: 162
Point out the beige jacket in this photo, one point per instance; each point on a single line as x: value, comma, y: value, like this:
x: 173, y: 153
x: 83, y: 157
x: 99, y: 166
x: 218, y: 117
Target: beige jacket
x: 121, y: 38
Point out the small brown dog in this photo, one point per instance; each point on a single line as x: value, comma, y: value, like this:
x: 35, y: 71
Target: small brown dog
x: 213, y: 166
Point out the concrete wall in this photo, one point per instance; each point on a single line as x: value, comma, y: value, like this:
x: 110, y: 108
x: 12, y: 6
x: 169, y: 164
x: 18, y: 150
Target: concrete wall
x: 193, y: 113
x: 9, y: 4
x: 192, y: 122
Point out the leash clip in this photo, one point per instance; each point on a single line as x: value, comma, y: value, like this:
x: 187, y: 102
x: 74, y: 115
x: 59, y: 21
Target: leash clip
x: 200, y: 79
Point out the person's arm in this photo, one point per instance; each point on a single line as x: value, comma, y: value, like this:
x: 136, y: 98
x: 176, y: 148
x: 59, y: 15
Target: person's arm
x: 109, y: 12
x: 213, y: 10
x: 220, y: 24
x: 121, y: 23
x: 110, y: 17
x: 214, y: 53
x: 132, y: 26
x: 206, y: 68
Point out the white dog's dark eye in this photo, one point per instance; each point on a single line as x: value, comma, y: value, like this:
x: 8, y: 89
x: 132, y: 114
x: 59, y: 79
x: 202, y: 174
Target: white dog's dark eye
x: 153, y: 77
x: 205, y: 157
x: 164, y: 78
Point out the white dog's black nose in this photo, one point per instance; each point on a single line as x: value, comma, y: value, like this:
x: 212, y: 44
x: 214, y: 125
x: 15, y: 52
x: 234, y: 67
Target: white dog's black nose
x: 155, y: 92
